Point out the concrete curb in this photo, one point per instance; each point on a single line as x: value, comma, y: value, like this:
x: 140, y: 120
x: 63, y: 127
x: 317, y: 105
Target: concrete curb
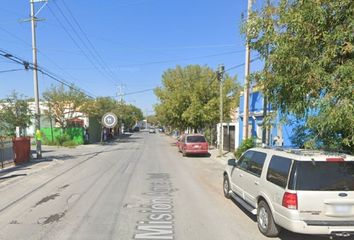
x: 215, y: 155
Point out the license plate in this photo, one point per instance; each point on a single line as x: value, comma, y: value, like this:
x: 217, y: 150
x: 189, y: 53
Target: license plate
x: 196, y: 146
x: 342, y: 208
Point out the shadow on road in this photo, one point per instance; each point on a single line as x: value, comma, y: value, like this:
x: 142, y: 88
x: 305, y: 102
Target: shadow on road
x: 12, y: 176
x: 284, y: 234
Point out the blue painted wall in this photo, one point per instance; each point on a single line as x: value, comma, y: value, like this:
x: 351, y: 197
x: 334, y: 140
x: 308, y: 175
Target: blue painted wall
x: 256, y: 110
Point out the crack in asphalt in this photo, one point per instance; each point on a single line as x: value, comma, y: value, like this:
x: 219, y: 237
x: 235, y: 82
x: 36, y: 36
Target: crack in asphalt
x: 53, y: 218
x: 46, y: 199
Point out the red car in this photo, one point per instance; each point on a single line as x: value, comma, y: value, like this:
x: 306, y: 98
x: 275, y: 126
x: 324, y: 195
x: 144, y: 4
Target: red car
x: 193, y: 144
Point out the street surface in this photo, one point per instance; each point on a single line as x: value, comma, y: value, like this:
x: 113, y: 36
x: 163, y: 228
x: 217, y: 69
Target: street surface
x: 138, y: 187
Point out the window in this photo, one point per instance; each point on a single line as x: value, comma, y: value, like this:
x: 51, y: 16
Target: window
x: 195, y: 139
x: 323, y: 176
x: 252, y: 162
x: 244, y: 161
x: 278, y: 170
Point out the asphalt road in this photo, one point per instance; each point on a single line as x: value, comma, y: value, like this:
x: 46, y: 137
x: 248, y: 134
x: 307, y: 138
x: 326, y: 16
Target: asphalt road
x: 139, y: 187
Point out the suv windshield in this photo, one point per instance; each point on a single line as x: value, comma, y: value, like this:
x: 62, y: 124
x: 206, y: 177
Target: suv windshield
x: 323, y: 176
x: 195, y: 139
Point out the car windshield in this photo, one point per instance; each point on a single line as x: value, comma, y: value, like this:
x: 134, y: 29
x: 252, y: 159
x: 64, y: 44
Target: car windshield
x: 325, y: 176
x: 195, y: 139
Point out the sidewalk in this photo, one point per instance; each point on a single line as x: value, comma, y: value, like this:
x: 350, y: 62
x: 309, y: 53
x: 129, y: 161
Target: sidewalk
x: 51, y: 156
x: 215, y: 155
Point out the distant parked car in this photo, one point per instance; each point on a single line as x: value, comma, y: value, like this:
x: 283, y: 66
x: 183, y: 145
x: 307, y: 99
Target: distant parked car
x: 193, y: 144
x: 308, y: 192
x: 152, y: 130
x: 136, y: 129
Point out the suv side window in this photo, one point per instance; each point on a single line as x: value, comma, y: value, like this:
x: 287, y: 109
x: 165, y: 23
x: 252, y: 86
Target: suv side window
x: 257, y: 162
x: 252, y: 162
x: 278, y: 170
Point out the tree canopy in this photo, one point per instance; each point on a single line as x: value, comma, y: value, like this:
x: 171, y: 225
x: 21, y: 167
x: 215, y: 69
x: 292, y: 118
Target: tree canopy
x: 127, y: 114
x: 14, y: 112
x: 189, y: 97
x: 308, y: 48
x: 64, y: 103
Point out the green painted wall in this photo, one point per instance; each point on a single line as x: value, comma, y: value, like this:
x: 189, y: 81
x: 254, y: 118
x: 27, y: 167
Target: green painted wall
x: 75, y: 134
x: 94, y: 130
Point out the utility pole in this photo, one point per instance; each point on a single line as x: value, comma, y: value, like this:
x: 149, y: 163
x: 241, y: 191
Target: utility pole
x: 220, y: 75
x: 120, y: 92
x: 246, y: 91
x: 35, y: 80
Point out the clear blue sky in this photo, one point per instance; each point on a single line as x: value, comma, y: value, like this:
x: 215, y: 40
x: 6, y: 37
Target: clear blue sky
x: 136, y: 39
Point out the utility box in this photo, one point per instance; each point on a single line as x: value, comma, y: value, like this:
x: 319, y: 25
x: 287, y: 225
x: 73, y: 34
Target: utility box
x: 21, y: 149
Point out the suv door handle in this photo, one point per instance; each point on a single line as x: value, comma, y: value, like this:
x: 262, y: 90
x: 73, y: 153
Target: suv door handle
x: 241, y: 175
x: 256, y: 183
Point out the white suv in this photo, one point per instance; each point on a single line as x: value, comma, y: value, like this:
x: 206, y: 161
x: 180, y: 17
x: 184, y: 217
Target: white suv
x: 303, y: 191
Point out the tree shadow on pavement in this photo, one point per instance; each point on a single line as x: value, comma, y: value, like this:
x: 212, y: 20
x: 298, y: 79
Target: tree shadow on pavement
x: 13, y: 176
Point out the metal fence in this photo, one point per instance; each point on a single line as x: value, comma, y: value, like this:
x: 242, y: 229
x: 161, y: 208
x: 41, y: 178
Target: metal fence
x: 6, y: 152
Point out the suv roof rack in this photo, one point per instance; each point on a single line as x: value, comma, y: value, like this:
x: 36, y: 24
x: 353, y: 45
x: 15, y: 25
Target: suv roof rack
x: 309, y: 152
x: 305, y: 152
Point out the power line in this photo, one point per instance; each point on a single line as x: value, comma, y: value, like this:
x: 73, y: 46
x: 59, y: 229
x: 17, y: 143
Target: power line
x: 137, y: 92
x: 88, y: 54
x: 75, y: 42
x: 65, y: 83
x: 88, y: 40
x: 231, y: 68
x: 169, y: 61
x: 40, y: 52
x: 12, y: 70
x: 27, y: 65
x: 211, y: 81
x: 14, y: 36
x: 181, y: 59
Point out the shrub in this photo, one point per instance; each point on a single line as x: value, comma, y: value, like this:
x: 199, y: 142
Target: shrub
x: 62, y: 138
x: 245, y: 145
x: 70, y: 144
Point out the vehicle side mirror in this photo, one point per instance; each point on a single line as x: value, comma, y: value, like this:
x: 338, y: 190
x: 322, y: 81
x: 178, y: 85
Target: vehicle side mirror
x: 232, y: 162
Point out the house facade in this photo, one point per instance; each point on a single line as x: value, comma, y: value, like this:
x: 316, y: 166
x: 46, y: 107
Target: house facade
x: 277, y: 134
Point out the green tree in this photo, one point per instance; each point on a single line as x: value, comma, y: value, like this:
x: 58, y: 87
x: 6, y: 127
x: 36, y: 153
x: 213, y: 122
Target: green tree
x: 189, y: 97
x: 14, y: 112
x: 96, y: 108
x: 64, y: 103
x: 152, y: 119
x: 308, y: 49
x: 130, y: 114
x: 127, y: 114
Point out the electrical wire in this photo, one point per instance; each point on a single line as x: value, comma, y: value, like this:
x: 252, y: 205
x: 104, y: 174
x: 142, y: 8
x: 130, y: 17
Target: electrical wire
x: 211, y: 80
x: 27, y: 65
x: 180, y: 59
x: 40, y: 52
x: 104, y: 64
x: 231, y: 68
x: 137, y: 92
x: 88, y: 53
x: 169, y: 61
x: 12, y: 70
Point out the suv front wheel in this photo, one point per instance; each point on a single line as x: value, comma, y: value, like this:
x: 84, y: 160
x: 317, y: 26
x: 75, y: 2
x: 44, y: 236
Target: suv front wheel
x: 265, y: 220
x: 226, y: 187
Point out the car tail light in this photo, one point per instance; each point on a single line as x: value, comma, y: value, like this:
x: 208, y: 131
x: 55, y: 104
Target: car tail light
x: 290, y: 200
x: 335, y: 159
